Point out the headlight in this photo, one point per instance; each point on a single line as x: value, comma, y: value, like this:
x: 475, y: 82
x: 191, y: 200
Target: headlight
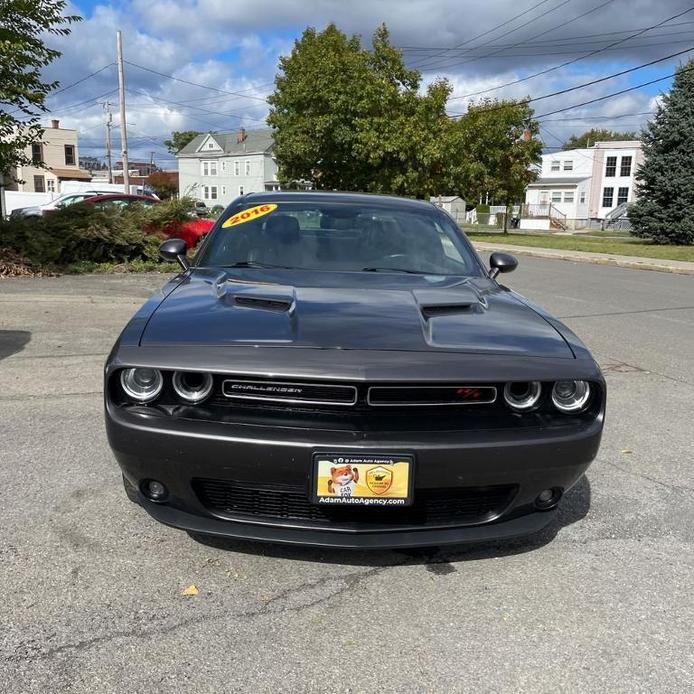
x: 522, y: 396
x: 191, y: 386
x: 570, y: 396
x: 142, y: 385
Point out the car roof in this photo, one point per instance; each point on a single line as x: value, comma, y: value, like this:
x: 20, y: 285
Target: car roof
x: 319, y: 197
x: 120, y: 196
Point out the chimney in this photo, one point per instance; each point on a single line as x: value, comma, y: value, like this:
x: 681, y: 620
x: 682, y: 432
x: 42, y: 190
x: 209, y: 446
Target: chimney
x: 241, y: 137
x: 55, y: 124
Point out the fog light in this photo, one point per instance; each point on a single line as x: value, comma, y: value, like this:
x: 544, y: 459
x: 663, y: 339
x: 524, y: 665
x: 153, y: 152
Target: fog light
x: 548, y: 498
x: 154, y: 490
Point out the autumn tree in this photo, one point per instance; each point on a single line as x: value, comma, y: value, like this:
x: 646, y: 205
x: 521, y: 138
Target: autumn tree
x: 164, y: 184
x: 24, y: 26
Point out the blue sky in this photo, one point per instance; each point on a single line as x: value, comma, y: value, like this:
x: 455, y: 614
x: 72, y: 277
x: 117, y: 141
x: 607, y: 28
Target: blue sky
x: 233, y: 46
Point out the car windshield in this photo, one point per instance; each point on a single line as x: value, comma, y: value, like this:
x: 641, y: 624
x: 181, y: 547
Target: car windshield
x: 347, y: 237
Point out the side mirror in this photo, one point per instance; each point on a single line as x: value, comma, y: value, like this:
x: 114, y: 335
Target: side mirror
x: 502, y: 262
x: 174, y: 250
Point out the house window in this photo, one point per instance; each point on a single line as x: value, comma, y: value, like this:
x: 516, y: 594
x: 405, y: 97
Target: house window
x: 247, y: 168
x: 39, y: 184
x: 625, y: 168
x: 36, y: 153
x: 556, y: 196
x: 224, y: 167
x: 224, y: 191
x: 582, y: 197
x: 556, y: 166
x: 568, y: 165
x: 622, y: 195
x: 50, y: 185
x: 240, y: 190
x: 237, y: 168
x: 569, y: 197
x: 607, y: 197
x: 69, y: 155
x: 210, y: 145
x: 209, y: 168
x: 611, y: 167
x: 209, y: 192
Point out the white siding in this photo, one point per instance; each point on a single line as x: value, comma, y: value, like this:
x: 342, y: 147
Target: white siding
x: 262, y: 168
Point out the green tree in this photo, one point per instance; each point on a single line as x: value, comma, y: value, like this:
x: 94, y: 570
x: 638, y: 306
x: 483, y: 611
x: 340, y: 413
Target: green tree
x: 24, y: 25
x: 664, y: 210
x: 352, y: 118
x: 499, y: 141
x: 179, y: 139
x: 590, y: 137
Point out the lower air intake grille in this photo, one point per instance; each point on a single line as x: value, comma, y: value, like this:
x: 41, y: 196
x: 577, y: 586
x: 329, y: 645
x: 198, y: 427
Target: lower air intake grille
x: 432, y: 507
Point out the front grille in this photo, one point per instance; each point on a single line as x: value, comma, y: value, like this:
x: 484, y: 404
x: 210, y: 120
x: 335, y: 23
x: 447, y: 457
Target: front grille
x: 289, y: 392
x: 410, y: 396
x: 286, y: 504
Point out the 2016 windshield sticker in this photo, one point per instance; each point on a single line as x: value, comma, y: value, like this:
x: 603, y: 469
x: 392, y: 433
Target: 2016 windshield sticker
x: 250, y: 214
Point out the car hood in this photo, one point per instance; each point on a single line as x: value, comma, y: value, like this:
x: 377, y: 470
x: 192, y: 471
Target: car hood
x: 380, y: 312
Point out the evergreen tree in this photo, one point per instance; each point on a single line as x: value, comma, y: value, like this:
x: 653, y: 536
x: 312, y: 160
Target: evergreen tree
x: 664, y: 211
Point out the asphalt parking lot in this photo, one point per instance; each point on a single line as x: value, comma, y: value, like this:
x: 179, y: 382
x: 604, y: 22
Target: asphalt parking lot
x: 92, y: 587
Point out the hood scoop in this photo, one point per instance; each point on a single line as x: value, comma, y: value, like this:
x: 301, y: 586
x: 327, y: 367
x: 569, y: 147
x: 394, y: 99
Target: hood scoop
x: 435, y: 303
x: 276, y: 298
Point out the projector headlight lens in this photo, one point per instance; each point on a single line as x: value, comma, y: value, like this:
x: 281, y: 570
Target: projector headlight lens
x: 522, y: 396
x: 192, y: 386
x: 571, y: 396
x: 142, y: 385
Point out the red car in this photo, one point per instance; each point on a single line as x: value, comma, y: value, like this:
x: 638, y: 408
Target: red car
x: 191, y: 231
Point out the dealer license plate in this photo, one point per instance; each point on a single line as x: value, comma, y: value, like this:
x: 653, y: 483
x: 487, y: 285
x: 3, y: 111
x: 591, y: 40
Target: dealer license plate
x: 348, y: 479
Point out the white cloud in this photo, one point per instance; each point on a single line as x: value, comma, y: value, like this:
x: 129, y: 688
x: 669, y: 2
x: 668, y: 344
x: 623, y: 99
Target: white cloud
x: 234, y: 46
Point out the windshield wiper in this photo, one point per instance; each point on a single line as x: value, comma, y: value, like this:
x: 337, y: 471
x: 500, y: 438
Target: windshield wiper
x: 255, y: 264
x: 395, y: 269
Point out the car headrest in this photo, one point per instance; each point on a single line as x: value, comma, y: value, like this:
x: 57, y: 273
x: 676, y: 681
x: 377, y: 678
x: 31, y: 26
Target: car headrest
x: 283, y: 228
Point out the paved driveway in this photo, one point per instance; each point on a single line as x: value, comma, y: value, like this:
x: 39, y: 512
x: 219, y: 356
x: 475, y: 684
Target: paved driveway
x: 91, y: 587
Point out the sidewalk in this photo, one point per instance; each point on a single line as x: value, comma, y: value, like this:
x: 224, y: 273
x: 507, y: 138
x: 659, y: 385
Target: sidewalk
x: 680, y: 267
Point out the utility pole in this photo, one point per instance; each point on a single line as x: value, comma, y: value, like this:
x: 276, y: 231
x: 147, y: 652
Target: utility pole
x: 121, y: 98
x: 109, y: 155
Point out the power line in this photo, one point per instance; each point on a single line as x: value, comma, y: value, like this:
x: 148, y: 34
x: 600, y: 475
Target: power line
x: 619, y: 93
x: 542, y: 33
x: 592, y: 82
x: 83, y: 79
x: 489, y: 31
x: 196, y: 84
x: 563, y: 41
x: 575, y: 60
x: 599, y: 118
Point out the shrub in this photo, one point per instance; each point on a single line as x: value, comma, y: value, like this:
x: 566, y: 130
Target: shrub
x: 82, y: 233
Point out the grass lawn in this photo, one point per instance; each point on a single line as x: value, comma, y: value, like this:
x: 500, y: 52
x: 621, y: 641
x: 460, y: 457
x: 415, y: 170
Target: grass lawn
x: 615, y: 246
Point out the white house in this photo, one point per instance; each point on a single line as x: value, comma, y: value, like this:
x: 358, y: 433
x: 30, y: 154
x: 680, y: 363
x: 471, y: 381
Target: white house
x: 577, y: 186
x: 218, y: 167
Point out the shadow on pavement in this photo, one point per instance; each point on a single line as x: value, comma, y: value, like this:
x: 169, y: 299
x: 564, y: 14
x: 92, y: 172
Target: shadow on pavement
x: 13, y: 341
x: 439, y: 560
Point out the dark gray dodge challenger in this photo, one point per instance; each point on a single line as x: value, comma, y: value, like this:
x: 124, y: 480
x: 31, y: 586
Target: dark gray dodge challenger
x: 342, y: 370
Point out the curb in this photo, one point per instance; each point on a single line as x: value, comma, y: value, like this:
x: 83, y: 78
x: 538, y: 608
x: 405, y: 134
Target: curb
x: 679, y: 267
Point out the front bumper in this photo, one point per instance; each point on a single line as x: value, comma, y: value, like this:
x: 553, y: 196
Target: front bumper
x: 177, y: 452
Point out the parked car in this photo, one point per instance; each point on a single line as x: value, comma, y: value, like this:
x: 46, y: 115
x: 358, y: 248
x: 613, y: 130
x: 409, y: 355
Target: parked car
x: 342, y: 370
x: 201, y: 208
x: 121, y: 200
x: 58, y: 203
